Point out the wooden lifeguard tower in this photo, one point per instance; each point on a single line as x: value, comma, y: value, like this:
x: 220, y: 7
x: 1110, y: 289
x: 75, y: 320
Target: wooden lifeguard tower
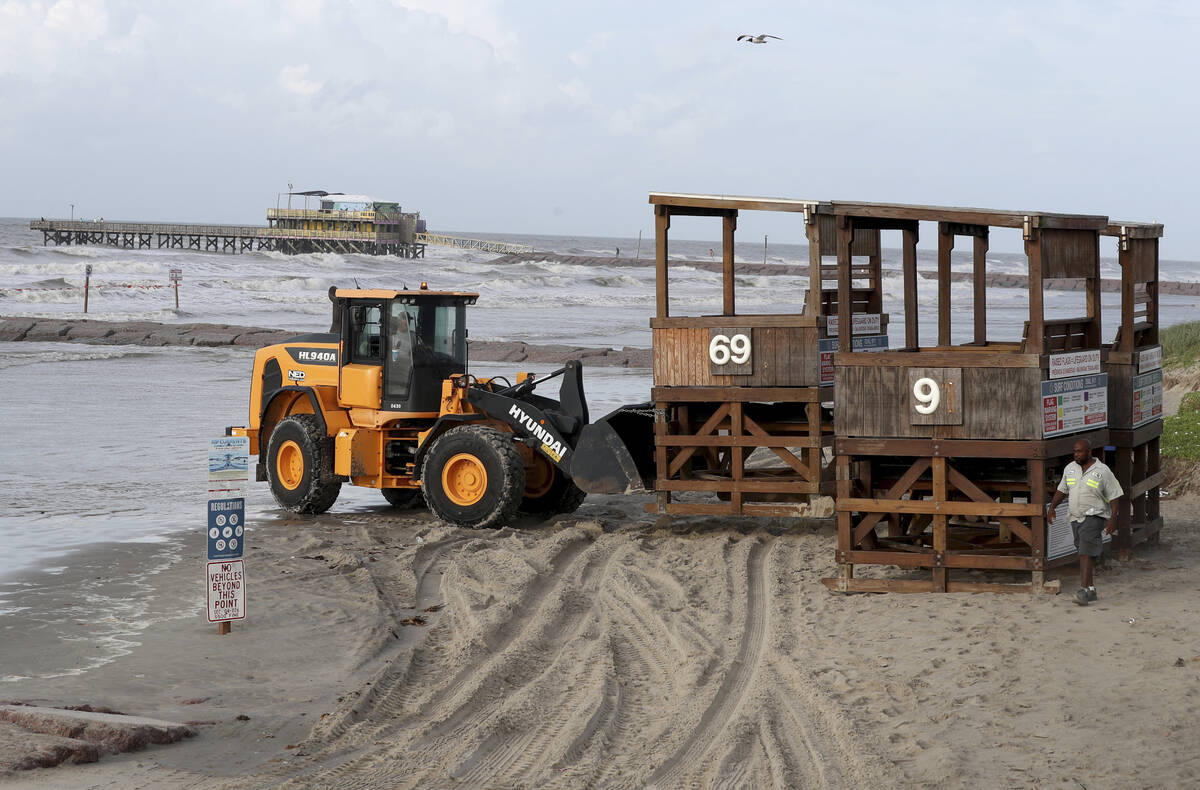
x: 726, y: 385
x: 945, y: 454
x: 1134, y: 363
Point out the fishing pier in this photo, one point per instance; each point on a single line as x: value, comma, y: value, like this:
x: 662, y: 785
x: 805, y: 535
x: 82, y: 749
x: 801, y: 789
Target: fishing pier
x: 277, y: 237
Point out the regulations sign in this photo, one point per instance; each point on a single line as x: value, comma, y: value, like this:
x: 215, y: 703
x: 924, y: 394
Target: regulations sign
x: 1150, y: 359
x: 226, y: 528
x: 1072, y: 405
x: 229, y: 463
x: 862, y: 324
x: 226, y: 591
x: 1147, y: 398
x: 1074, y: 363
x: 828, y: 346
x: 176, y: 275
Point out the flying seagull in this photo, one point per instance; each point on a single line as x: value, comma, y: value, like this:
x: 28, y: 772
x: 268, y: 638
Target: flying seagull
x: 761, y: 38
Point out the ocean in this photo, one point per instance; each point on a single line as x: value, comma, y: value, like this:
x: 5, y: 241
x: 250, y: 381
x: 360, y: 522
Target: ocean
x: 109, y: 443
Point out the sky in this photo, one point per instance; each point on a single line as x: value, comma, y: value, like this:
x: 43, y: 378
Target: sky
x: 559, y: 118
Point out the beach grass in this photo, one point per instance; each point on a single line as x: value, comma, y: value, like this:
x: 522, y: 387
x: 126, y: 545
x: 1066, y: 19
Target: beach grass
x: 1181, y: 432
x: 1181, y: 345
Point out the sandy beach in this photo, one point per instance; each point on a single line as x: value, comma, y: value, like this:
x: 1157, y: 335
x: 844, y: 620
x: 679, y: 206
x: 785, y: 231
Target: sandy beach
x: 614, y: 649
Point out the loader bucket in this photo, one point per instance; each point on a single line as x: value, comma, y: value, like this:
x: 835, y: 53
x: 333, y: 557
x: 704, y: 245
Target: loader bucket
x: 615, y: 454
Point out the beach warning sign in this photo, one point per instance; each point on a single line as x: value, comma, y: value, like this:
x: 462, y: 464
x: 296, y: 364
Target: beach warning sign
x: 226, y: 591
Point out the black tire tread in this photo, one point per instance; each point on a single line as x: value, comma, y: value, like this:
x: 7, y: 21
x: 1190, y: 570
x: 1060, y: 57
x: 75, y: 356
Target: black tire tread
x: 563, y: 497
x: 324, y: 486
x: 508, y: 496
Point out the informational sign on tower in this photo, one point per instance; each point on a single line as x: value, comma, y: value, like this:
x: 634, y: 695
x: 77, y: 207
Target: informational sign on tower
x: 1075, y: 404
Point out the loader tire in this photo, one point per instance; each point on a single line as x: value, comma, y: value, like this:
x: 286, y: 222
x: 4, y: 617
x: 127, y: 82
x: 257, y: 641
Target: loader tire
x: 562, y: 496
x: 473, y: 477
x: 403, y: 497
x: 300, y: 465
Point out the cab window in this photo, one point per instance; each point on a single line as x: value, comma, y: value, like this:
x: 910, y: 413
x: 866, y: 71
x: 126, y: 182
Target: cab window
x: 366, y: 337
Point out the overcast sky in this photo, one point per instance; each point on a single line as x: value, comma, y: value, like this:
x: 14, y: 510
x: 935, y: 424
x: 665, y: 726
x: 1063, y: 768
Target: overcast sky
x: 559, y: 118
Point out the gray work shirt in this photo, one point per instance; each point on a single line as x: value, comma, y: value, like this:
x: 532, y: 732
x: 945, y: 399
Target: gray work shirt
x: 1089, y: 493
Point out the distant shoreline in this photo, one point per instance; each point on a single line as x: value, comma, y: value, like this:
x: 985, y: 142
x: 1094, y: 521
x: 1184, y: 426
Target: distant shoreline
x: 151, y: 333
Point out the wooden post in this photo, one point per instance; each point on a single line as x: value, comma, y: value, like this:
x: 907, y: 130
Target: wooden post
x: 662, y: 223
x: 1152, y: 299
x: 845, y: 236
x: 1036, y: 339
x: 176, y: 284
x: 876, y: 268
x: 224, y: 627
x: 1125, y: 258
x: 845, y: 523
x: 1036, y: 470
x: 728, y: 226
x: 980, y: 277
x: 939, y: 526
x: 909, y: 264
x: 661, y: 461
x: 813, y: 232
x: 737, y: 456
x: 1124, y: 470
x: 1092, y: 299
x: 945, y: 247
x: 87, y: 284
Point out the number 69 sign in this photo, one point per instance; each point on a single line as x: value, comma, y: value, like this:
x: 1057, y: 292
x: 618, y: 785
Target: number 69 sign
x: 730, y: 351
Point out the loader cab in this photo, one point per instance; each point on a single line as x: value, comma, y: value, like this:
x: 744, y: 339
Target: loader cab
x: 398, y: 347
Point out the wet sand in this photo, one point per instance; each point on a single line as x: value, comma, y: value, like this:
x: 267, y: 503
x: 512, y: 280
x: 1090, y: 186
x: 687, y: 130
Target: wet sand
x: 612, y: 649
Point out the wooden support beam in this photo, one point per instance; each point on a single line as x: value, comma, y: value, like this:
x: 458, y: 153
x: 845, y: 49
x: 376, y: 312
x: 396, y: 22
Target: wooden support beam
x: 662, y: 223
x: 980, y: 283
x: 940, y: 495
x: 845, y: 235
x: 909, y: 265
x: 813, y: 231
x: 728, y: 226
x: 945, y: 248
x: 1035, y: 340
x: 900, y: 487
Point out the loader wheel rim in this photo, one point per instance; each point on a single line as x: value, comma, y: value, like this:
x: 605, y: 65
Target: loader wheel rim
x: 539, y: 477
x: 289, y: 463
x: 464, y: 479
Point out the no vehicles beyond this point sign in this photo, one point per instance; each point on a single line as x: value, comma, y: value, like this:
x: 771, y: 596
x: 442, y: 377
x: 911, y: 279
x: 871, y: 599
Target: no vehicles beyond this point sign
x: 226, y: 591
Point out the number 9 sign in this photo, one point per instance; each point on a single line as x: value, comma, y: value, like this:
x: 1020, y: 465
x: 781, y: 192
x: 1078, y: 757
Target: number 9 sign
x: 928, y: 395
x: 936, y: 396
x: 723, y: 349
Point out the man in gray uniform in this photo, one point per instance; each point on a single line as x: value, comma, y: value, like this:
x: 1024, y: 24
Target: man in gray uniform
x: 1090, y: 489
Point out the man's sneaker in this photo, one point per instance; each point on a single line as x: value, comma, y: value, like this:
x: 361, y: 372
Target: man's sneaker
x: 1082, y: 597
x: 1091, y: 591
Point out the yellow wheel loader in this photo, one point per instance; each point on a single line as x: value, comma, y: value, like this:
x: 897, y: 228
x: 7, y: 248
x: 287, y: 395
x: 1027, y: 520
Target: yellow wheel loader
x: 384, y: 400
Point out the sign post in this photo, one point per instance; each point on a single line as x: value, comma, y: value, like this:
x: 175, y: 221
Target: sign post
x: 228, y: 476
x: 87, y: 283
x: 176, y: 277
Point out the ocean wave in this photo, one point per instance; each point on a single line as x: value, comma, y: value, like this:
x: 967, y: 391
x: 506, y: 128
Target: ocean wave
x: 317, y: 285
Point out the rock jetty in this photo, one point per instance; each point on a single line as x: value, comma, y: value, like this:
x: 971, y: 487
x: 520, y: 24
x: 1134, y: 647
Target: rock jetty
x: 149, y: 333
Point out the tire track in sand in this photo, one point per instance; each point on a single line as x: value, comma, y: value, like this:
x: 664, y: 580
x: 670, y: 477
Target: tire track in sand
x: 552, y: 660
x: 423, y: 697
x: 733, y: 688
